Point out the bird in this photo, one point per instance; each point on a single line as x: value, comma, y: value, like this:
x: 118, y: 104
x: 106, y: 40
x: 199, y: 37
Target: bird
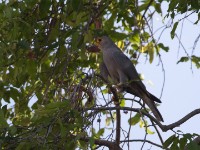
x: 117, y: 68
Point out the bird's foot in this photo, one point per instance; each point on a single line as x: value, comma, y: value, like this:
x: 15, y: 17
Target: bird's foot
x: 119, y: 87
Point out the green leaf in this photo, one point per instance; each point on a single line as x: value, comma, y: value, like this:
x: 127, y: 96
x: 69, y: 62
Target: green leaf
x: 188, y: 136
x: 24, y: 145
x: 183, y: 59
x: 174, y: 29
x: 100, y: 132
x: 57, y: 105
x: 134, y: 120
x: 91, y: 141
x: 6, y: 96
x: 76, y: 4
x: 150, y: 49
x: 44, y: 7
x: 53, y: 34
x: 13, y: 130
x: 75, y: 38
x: 14, y: 94
x: 175, y: 145
x: 117, y: 35
x: 169, y: 141
x: 172, y: 5
x: 196, y: 61
x: 62, y: 128
x: 165, y: 48
x: 50, y: 109
x: 143, y: 7
x: 135, y: 38
x: 88, y: 37
x: 151, y: 52
x: 110, y: 22
x: 143, y: 123
x: 108, y: 120
x: 83, y: 144
x: 145, y: 36
x: 195, y: 4
x: 8, y: 12
x: 149, y: 131
x: 122, y: 4
x: 80, y: 41
x: 3, y: 122
x: 193, y: 146
x: 182, y: 6
x: 122, y: 103
x: 183, y: 142
x: 31, y: 67
x: 158, y: 8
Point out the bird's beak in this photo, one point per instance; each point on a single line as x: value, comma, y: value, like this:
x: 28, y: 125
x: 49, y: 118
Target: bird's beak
x: 97, y: 42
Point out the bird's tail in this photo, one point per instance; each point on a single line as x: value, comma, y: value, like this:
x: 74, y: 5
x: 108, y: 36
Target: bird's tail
x: 147, y: 97
x: 152, y: 97
x: 152, y: 106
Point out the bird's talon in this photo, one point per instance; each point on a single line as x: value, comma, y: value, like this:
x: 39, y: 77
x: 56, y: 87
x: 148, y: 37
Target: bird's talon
x: 114, y: 100
x: 119, y: 87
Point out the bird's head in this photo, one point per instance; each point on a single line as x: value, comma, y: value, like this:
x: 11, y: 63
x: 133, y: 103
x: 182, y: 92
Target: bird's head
x: 104, y: 42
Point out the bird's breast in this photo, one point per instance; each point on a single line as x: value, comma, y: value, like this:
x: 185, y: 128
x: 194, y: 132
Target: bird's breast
x: 111, y: 66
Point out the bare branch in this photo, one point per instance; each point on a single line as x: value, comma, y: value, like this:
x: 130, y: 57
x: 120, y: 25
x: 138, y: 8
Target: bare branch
x: 181, y: 121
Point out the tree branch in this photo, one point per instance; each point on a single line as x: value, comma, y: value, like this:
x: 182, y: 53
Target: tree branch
x: 164, y: 128
x: 109, y: 144
x: 118, y: 125
x: 181, y: 121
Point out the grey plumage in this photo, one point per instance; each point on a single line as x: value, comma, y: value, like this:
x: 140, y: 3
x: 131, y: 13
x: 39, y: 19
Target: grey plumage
x: 117, y: 66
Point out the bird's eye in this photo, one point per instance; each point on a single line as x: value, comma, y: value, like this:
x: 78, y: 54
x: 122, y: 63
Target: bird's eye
x: 99, y: 40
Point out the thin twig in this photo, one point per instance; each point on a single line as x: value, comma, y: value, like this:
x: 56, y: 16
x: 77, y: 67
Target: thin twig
x: 147, y: 8
x: 159, y: 135
x: 129, y: 130
x: 142, y: 140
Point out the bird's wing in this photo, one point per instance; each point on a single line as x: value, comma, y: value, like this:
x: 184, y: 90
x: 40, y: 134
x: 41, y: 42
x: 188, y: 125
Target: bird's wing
x: 104, y: 71
x: 125, y: 65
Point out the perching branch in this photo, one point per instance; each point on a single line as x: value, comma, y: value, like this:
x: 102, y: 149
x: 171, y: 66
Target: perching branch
x: 164, y: 128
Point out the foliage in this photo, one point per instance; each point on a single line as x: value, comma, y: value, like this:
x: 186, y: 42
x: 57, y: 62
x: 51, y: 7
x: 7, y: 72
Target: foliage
x: 47, y: 73
x: 180, y: 141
